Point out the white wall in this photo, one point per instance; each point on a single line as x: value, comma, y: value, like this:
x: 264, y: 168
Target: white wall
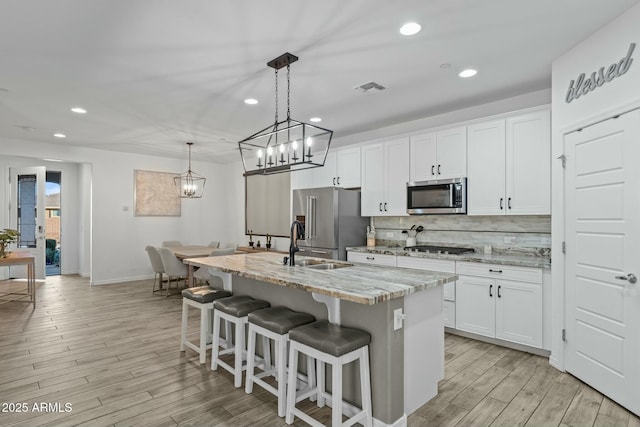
x: 117, y: 237
x: 606, y: 46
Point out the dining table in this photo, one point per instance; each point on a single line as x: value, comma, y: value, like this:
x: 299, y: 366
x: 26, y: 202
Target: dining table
x: 21, y: 258
x: 190, y: 251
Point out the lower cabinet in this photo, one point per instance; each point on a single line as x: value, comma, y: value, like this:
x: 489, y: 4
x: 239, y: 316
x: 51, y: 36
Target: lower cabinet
x: 448, y: 290
x: 373, y: 259
x: 496, y: 301
x: 500, y: 302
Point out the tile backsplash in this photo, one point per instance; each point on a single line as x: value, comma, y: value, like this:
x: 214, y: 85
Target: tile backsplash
x: 505, y: 234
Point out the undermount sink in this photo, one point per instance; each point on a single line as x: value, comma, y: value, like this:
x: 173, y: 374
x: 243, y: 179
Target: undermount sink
x: 308, y: 262
x: 328, y: 266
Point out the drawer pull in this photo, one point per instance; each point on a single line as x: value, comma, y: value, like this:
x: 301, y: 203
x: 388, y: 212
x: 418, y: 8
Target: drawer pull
x: 371, y: 258
x: 494, y: 271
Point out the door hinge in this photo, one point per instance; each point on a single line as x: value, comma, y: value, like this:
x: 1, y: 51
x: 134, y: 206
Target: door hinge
x: 563, y: 158
x: 564, y: 335
x: 564, y: 247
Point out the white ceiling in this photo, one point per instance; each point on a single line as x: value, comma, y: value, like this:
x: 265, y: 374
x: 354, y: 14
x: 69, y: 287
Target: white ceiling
x: 154, y: 74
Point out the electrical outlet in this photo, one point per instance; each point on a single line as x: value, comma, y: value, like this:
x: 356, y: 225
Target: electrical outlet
x: 545, y: 240
x: 398, y: 318
x: 389, y: 234
x: 510, y: 239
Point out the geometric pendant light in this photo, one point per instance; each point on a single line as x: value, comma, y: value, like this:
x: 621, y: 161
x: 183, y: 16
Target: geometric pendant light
x: 189, y: 184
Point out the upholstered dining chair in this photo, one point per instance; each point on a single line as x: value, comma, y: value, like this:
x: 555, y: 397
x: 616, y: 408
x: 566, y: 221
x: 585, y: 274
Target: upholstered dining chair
x: 228, y: 245
x: 171, y: 243
x: 214, y: 244
x: 156, y: 265
x: 203, y: 273
x: 173, y: 267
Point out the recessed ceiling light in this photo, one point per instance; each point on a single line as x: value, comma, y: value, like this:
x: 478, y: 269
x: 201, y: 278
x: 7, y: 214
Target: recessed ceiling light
x: 315, y: 119
x: 59, y: 135
x: 251, y: 101
x: 469, y: 72
x: 79, y: 110
x: 410, y: 29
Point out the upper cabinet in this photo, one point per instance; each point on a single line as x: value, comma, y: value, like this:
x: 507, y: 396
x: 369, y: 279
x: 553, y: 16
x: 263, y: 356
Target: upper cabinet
x: 439, y: 155
x: 385, y: 172
x: 341, y: 169
x: 509, y: 166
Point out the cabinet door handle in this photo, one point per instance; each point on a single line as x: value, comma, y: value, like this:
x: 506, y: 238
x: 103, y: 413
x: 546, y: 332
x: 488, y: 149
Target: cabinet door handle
x: 338, y: 179
x: 494, y: 271
x: 334, y: 180
x: 433, y: 167
x: 509, y: 202
x: 438, y: 169
x: 385, y: 206
x: 380, y: 207
x: 501, y: 201
x: 499, y: 296
x: 490, y: 289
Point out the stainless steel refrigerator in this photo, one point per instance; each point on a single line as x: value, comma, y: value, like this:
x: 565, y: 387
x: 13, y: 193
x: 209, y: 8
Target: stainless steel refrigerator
x: 331, y: 220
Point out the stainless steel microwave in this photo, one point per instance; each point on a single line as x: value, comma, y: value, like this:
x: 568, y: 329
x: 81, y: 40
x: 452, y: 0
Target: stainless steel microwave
x: 444, y: 196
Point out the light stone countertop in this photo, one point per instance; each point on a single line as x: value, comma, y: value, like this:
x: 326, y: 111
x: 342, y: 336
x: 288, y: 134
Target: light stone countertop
x: 502, y: 259
x: 358, y: 283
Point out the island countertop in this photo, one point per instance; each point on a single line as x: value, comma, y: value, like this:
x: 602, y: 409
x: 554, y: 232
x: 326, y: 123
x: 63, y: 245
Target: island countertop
x: 358, y: 283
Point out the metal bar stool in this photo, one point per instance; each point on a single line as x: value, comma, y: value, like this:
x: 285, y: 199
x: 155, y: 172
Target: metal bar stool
x: 275, y: 323
x: 337, y: 346
x: 201, y: 298
x: 234, y: 310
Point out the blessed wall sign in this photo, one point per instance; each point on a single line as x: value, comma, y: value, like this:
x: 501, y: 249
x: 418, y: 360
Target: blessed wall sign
x: 583, y: 84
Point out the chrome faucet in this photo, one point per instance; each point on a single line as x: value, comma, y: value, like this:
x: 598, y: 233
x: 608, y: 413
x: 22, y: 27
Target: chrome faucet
x: 297, y: 232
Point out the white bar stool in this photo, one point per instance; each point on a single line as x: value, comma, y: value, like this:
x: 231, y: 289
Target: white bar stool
x: 275, y: 323
x: 337, y: 346
x: 201, y: 298
x: 234, y: 310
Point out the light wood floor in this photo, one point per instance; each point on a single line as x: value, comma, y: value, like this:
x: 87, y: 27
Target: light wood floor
x: 112, y: 353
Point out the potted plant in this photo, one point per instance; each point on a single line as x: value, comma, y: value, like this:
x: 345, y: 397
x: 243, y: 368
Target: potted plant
x: 7, y: 236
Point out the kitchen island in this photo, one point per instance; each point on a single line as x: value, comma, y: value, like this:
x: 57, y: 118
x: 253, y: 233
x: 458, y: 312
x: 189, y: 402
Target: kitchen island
x: 406, y: 362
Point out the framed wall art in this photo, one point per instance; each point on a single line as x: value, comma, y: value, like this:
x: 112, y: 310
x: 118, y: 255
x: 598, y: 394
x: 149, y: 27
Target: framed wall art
x: 155, y: 194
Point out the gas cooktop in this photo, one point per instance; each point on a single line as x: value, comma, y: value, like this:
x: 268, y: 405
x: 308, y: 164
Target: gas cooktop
x: 439, y: 249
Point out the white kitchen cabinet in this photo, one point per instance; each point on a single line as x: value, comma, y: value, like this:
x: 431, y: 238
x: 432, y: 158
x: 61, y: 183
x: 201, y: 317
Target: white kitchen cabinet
x: 341, y: 169
x: 448, y: 290
x: 509, y: 166
x: 372, y: 259
x: 302, y: 179
x: 385, y: 172
x: 449, y: 313
x: 439, y: 155
x: 501, y: 302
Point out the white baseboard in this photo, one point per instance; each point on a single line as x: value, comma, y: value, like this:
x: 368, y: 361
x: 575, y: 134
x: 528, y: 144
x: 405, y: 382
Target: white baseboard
x: 553, y: 361
x: 119, y: 280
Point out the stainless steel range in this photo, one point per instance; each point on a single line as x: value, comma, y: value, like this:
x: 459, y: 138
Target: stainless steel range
x: 451, y: 250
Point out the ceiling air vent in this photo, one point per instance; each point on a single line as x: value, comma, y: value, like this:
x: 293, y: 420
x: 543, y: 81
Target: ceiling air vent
x: 368, y: 87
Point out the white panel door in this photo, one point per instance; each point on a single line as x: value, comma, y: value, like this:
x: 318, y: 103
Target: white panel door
x: 423, y: 157
x: 396, y: 177
x: 372, y: 180
x: 325, y: 176
x: 348, y: 168
x: 475, y: 305
x: 528, y: 163
x: 27, y: 215
x: 519, y: 312
x: 602, y: 225
x: 452, y: 153
x: 486, y: 179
